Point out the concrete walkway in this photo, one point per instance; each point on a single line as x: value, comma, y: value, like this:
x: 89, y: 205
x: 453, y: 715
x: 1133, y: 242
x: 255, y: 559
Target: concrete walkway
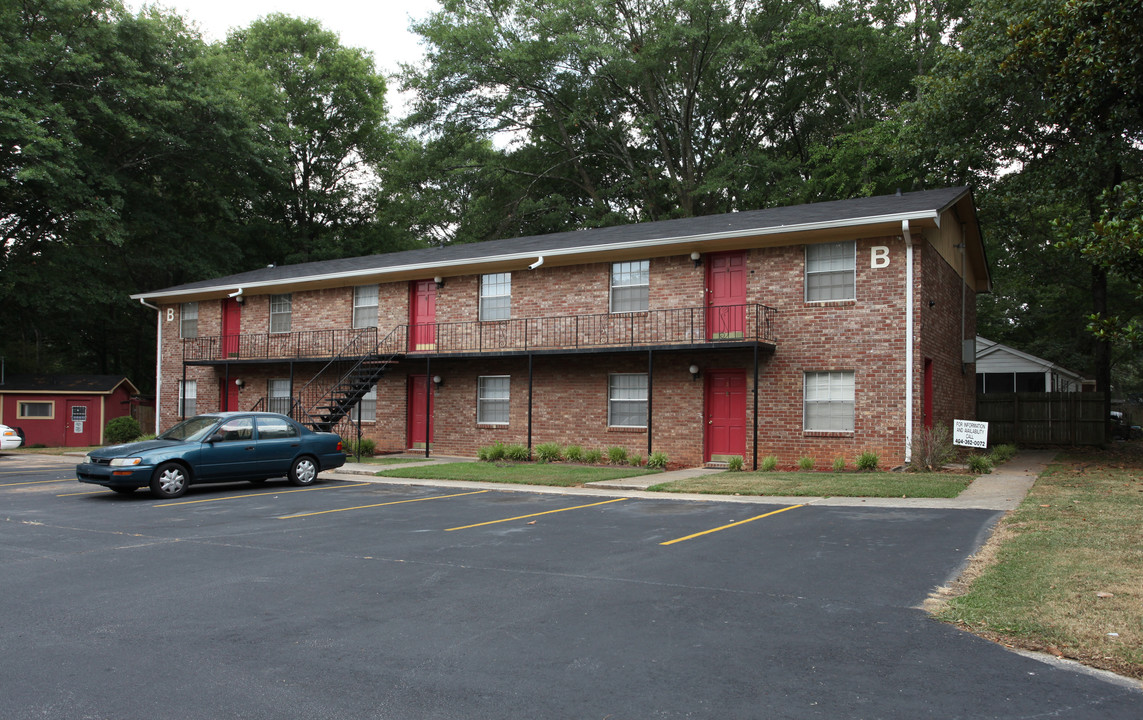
x: 1003, y: 489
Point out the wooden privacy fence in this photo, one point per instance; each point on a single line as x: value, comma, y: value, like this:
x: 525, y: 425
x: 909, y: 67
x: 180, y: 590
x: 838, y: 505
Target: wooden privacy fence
x: 1047, y: 418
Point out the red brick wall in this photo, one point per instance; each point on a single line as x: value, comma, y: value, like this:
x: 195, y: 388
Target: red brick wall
x: 939, y: 338
x: 865, y: 336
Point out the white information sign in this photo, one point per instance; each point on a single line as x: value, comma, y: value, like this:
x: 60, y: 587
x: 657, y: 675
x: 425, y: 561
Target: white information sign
x: 79, y: 426
x: 970, y: 433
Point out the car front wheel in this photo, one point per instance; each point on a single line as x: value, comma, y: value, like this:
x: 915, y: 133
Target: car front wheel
x: 169, y: 481
x: 304, y: 471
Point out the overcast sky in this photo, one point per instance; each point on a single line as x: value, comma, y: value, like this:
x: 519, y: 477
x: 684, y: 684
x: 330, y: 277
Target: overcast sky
x: 380, y: 26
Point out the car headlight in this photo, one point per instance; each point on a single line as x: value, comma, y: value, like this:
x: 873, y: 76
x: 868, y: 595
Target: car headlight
x: 120, y: 462
x: 87, y: 459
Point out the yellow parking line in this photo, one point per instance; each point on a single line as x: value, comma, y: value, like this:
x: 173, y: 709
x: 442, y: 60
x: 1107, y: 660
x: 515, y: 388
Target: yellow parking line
x: 90, y: 492
x: 394, y: 502
x: 36, y: 482
x: 734, y: 524
x: 522, y: 517
x: 260, y: 494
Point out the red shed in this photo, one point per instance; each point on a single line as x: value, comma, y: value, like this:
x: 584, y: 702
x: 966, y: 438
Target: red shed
x: 64, y: 410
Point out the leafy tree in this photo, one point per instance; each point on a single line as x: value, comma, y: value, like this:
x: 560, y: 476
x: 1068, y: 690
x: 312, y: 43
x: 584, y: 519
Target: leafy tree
x: 321, y: 108
x: 122, y: 151
x: 1048, y: 94
x: 607, y: 112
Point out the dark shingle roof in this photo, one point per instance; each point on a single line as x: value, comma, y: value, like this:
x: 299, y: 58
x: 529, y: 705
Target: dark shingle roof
x: 838, y: 212
x: 100, y: 384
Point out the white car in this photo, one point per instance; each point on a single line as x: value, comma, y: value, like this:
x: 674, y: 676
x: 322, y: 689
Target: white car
x: 9, y: 438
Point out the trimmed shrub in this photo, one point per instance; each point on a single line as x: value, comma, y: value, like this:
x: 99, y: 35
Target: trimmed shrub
x: 636, y: 461
x: 1002, y: 453
x: 805, y: 464
x: 365, y: 447
x: 491, y: 453
x: 573, y: 453
x: 593, y: 457
x: 839, y: 464
x: 517, y: 453
x: 549, y: 452
x: 979, y: 464
x: 769, y: 463
x: 616, y: 455
x: 868, y: 461
x: 735, y: 464
x: 657, y: 461
x: 122, y: 430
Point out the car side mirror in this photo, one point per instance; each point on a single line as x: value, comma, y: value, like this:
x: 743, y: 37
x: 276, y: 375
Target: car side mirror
x: 217, y: 437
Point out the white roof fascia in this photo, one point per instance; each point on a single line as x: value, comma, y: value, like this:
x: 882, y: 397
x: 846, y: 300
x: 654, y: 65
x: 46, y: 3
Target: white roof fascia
x: 1045, y: 364
x: 895, y: 218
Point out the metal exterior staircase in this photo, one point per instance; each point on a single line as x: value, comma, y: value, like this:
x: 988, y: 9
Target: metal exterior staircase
x: 339, y: 386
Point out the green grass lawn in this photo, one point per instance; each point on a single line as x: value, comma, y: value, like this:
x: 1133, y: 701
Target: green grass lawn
x: 813, y: 484
x: 520, y: 473
x: 1064, y: 572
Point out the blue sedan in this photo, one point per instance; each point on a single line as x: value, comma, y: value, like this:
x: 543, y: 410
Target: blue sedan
x: 217, y: 447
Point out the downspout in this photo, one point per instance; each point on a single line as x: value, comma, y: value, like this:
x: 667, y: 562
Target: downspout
x: 908, y: 340
x: 158, y: 361
x: 963, y: 304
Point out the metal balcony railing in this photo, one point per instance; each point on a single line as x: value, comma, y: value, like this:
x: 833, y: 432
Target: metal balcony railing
x: 262, y: 346
x: 749, y: 323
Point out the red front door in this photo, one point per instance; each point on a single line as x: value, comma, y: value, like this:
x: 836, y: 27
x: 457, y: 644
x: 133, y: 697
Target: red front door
x: 81, y: 426
x: 726, y: 295
x: 231, y: 326
x: 725, y: 414
x: 228, y: 397
x: 420, y: 412
x: 423, y: 315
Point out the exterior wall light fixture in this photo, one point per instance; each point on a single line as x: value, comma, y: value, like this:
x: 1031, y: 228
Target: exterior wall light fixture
x: 696, y: 257
x: 694, y: 370
x: 239, y: 382
x: 439, y: 281
x: 438, y: 380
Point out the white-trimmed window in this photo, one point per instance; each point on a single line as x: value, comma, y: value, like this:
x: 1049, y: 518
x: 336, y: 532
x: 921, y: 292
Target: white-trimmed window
x: 365, y: 306
x: 630, y: 286
x: 366, y: 408
x: 188, y: 398
x: 829, y: 401
x: 492, y: 392
x: 281, y: 311
x: 831, y: 271
x: 278, y: 395
x: 496, y: 296
x: 627, y: 400
x: 188, y: 320
x: 36, y: 410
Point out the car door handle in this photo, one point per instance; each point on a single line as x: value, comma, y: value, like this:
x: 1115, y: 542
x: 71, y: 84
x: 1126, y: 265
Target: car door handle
x: 249, y: 447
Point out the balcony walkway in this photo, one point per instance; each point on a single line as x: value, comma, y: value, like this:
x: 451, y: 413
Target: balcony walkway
x: 679, y: 328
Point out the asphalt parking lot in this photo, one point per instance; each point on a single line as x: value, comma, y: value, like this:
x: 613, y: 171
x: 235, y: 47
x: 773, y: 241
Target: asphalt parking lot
x: 365, y: 600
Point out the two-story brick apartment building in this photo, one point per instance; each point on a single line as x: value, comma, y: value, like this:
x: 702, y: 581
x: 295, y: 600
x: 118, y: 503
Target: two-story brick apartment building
x: 820, y: 330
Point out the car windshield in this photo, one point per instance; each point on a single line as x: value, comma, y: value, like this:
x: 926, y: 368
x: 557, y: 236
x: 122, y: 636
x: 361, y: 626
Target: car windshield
x: 191, y: 429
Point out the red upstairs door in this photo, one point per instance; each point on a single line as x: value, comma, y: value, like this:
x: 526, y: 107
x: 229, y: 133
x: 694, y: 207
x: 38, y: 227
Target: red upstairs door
x: 726, y: 295
x: 725, y: 414
x: 420, y: 414
x: 423, y: 315
x: 231, y: 326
